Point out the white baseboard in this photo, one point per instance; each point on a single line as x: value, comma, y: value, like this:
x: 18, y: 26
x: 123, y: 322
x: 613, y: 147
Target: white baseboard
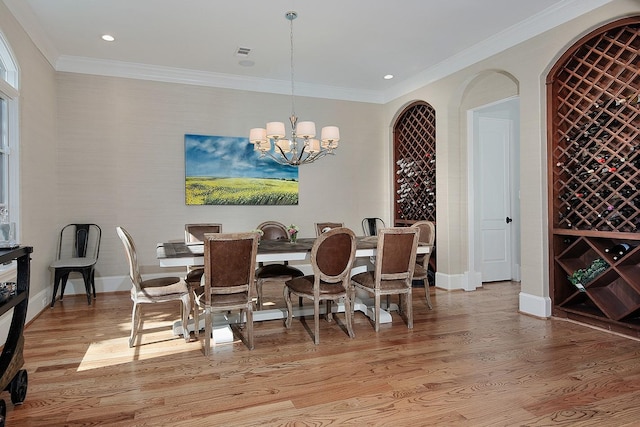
x: 535, y: 305
x: 451, y: 282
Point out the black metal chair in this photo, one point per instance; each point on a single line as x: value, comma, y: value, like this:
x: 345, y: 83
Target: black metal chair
x: 370, y: 226
x: 78, y: 249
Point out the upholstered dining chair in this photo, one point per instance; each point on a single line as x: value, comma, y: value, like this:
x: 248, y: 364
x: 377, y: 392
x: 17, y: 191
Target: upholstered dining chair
x: 150, y: 291
x: 332, y: 257
x: 322, y: 227
x: 275, y: 272
x: 427, y: 237
x: 370, y: 226
x: 395, y: 262
x: 229, y: 273
x: 194, y: 233
x: 78, y: 249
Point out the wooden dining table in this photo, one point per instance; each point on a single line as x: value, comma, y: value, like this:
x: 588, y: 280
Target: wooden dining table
x: 180, y: 254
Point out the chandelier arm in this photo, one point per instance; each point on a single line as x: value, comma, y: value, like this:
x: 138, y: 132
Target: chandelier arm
x: 268, y: 153
x: 281, y: 151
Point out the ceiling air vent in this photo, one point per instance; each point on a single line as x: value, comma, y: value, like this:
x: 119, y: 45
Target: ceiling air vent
x: 243, y: 51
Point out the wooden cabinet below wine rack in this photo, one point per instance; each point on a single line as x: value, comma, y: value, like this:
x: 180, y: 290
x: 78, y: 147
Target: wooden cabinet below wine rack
x: 594, y: 178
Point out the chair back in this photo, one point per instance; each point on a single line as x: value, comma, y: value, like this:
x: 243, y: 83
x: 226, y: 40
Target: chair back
x: 194, y: 233
x: 427, y: 232
x: 273, y: 230
x: 229, y: 263
x: 370, y: 226
x: 132, y: 257
x: 426, y: 236
x: 396, y: 254
x: 79, y: 241
x: 322, y: 227
x: 332, y: 255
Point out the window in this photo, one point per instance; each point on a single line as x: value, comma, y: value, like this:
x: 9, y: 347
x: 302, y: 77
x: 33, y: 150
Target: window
x: 8, y: 132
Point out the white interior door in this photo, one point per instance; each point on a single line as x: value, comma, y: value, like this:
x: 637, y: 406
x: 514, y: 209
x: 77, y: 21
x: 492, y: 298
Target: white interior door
x: 494, y: 140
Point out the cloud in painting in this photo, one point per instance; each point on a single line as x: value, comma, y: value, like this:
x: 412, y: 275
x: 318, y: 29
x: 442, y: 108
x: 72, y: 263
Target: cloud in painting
x: 229, y: 157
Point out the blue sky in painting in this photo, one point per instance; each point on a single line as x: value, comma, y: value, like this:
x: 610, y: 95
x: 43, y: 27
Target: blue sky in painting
x: 230, y: 157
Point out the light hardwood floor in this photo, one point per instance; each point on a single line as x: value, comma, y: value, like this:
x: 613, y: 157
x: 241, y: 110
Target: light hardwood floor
x: 472, y: 361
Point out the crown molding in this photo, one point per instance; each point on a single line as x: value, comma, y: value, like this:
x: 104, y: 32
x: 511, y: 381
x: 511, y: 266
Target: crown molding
x: 74, y: 64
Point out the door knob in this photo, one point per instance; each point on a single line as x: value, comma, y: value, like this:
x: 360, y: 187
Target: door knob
x: 509, y: 220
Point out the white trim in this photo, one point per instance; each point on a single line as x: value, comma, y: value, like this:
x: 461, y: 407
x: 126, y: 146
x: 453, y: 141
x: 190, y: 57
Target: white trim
x: 76, y: 64
x: 534, y: 305
x: 8, y: 59
x: 451, y: 282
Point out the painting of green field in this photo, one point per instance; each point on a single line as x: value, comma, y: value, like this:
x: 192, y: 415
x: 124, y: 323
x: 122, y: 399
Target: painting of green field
x: 240, y: 191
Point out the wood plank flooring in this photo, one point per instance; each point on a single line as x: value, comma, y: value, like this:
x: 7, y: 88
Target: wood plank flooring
x: 472, y: 361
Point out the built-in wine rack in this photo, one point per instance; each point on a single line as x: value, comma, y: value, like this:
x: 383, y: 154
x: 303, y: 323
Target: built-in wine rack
x: 594, y: 164
x: 415, y: 165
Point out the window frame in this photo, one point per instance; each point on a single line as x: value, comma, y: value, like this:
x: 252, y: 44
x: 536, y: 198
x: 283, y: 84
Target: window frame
x: 9, y: 139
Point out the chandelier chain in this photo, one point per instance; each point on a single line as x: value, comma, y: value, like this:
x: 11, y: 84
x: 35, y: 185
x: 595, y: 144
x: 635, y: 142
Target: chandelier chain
x: 293, y: 103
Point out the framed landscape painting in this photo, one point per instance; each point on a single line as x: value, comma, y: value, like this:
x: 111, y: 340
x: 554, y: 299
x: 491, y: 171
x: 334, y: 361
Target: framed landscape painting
x: 226, y: 170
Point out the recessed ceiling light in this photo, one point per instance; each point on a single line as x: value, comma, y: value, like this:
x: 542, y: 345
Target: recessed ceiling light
x: 388, y: 77
x: 108, y: 38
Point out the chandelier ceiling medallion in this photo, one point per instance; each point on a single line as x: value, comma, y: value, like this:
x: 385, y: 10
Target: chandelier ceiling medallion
x: 302, y: 147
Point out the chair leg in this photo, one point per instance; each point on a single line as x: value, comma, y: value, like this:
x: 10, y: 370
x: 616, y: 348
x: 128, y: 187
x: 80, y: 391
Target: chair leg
x: 376, y: 312
x: 427, y: 293
x: 196, y: 315
x: 409, y: 309
x: 86, y: 276
x: 259, y: 284
x: 56, y: 284
x: 208, y: 326
x: 287, y: 300
x: 316, y: 321
x: 348, y: 314
x: 249, y: 327
x: 63, y: 285
x: 135, y: 323
x: 185, y: 306
x: 328, y: 311
x: 93, y: 282
x: 353, y: 300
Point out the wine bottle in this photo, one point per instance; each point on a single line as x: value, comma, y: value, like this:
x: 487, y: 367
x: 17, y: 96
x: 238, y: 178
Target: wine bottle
x: 619, y: 250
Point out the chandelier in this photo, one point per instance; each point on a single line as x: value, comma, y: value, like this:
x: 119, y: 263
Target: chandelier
x: 302, y: 147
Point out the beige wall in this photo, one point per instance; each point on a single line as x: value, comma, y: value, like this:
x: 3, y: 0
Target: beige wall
x: 121, y: 160
x: 38, y: 148
x: 528, y: 63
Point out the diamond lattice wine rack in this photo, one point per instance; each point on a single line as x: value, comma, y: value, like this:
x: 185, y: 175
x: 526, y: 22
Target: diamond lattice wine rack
x: 594, y: 168
x: 415, y: 165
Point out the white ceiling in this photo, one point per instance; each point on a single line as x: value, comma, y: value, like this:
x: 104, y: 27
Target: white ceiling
x: 343, y: 48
